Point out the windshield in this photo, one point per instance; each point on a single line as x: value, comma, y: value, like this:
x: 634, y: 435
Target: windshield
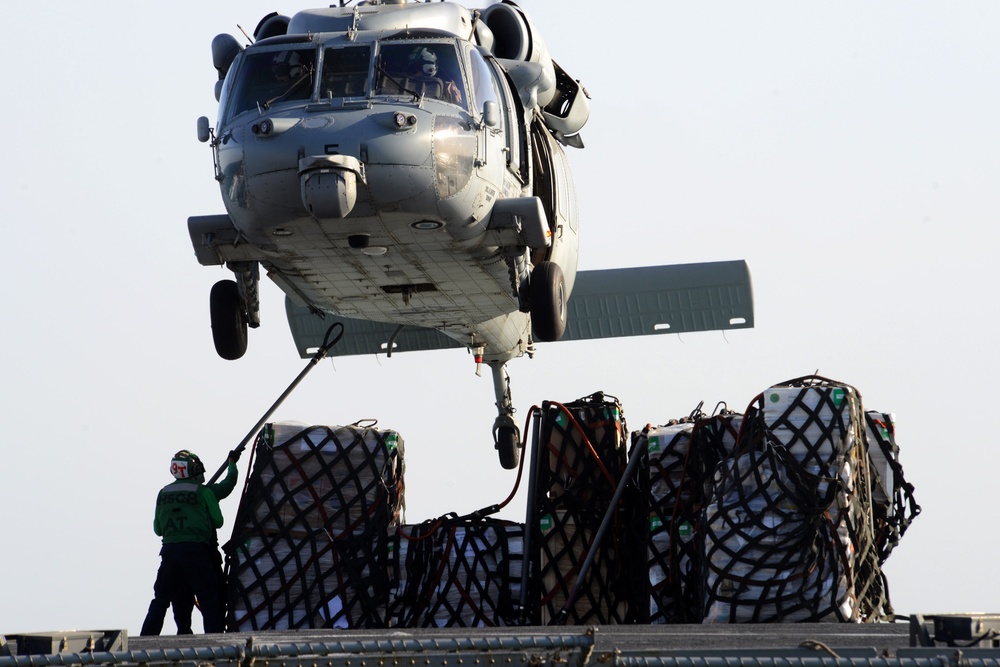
x: 271, y: 77
x: 423, y: 69
x: 345, y: 72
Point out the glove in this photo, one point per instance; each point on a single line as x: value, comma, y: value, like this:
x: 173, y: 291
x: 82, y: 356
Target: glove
x: 234, y: 455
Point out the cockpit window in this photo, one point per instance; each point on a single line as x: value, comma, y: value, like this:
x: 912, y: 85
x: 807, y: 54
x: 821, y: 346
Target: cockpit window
x: 272, y: 77
x: 482, y: 79
x: 345, y: 72
x: 422, y: 69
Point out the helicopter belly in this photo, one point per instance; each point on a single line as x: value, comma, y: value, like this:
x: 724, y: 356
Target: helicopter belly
x: 405, y: 279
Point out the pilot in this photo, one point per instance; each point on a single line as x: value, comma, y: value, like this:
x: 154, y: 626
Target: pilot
x: 288, y: 66
x: 423, y: 65
x: 187, y: 516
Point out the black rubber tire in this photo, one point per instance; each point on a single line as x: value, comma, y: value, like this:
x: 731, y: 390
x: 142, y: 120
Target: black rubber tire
x: 229, y: 321
x: 508, y: 447
x: 548, y: 302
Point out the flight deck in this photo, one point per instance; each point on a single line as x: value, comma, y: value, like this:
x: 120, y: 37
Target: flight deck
x: 962, y: 640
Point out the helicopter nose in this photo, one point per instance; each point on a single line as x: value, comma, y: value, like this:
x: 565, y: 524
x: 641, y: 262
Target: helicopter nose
x: 328, y: 185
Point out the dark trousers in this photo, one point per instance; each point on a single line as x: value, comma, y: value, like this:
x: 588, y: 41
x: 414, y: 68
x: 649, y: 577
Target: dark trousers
x: 187, y: 569
x: 183, y: 605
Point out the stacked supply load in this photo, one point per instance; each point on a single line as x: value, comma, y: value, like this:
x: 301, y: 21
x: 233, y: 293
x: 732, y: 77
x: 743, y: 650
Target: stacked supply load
x: 893, y: 505
x: 671, y: 529
x: 581, y: 457
x: 789, y: 533
x: 682, y: 458
x: 310, y: 546
x: 456, y: 573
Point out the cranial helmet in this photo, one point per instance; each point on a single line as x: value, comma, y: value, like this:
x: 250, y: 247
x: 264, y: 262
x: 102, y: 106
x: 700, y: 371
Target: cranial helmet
x: 186, y: 465
x: 423, y: 61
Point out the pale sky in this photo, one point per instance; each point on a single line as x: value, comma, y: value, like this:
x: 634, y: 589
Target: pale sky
x: 849, y: 151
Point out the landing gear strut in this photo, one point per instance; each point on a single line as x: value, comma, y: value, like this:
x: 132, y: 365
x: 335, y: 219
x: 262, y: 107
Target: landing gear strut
x: 506, y: 434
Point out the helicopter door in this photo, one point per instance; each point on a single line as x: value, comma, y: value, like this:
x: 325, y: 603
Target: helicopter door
x: 544, y: 182
x: 511, y: 116
x: 484, y: 84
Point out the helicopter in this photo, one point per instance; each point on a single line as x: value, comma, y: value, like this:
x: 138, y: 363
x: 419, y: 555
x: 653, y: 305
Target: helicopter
x: 399, y: 167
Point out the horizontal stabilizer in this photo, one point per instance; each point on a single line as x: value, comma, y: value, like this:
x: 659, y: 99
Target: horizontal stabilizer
x: 660, y: 299
x: 605, y: 304
x: 360, y: 336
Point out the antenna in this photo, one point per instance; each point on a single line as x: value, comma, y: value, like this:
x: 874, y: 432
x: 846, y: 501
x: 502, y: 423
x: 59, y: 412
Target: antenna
x: 244, y: 33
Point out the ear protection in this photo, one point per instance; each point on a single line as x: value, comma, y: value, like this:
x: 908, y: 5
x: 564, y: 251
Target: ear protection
x: 186, y: 465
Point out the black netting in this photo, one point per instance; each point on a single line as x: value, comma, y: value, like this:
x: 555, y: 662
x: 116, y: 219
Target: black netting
x: 581, y: 460
x: 784, y: 514
x: 788, y: 531
x: 894, y: 507
x: 682, y: 458
x: 454, y: 572
x: 310, y: 544
x: 671, y: 525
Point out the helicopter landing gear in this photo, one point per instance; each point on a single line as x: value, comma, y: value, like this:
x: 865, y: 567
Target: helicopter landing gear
x: 506, y: 434
x: 229, y: 320
x: 235, y: 305
x: 507, y: 441
x: 547, y: 296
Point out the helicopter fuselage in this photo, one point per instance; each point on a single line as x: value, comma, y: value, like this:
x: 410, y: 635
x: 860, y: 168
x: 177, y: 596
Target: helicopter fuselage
x: 374, y: 186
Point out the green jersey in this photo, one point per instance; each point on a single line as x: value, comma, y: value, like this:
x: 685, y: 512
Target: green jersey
x: 225, y: 487
x: 187, y: 512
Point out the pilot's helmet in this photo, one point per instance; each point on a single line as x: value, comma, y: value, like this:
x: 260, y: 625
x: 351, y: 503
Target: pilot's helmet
x: 423, y: 61
x: 186, y: 465
x: 288, y: 66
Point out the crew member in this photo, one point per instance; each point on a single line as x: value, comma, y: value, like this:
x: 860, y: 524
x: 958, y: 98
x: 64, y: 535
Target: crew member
x: 187, y: 516
x: 183, y: 605
x: 423, y: 65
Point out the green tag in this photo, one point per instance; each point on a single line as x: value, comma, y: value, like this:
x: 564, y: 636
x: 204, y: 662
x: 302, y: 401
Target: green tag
x: 685, y: 530
x: 561, y: 419
x: 838, y: 396
x: 654, y: 445
x: 391, y: 442
x: 545, y: 523
x: 655, y: 523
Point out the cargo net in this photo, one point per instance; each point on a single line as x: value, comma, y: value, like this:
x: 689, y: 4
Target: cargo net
x: 682, y: 457
x: 581, y: 458
x: 893, y: 505
x: 456, y: 572
x: 310, y: 546
x: 789, y: 531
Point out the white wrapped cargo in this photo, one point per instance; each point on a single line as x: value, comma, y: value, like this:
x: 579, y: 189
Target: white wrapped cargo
x: 455, y: 573
x: 682, y: 457
x: 310, y: 540
x: 791, y: 514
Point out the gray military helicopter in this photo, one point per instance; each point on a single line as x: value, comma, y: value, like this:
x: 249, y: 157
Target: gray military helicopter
x: 399, y: 167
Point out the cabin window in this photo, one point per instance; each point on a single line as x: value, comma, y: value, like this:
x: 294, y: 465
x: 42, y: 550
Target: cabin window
x: 425, y: 69
x: 345, y: 72
x: 273, y: 77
